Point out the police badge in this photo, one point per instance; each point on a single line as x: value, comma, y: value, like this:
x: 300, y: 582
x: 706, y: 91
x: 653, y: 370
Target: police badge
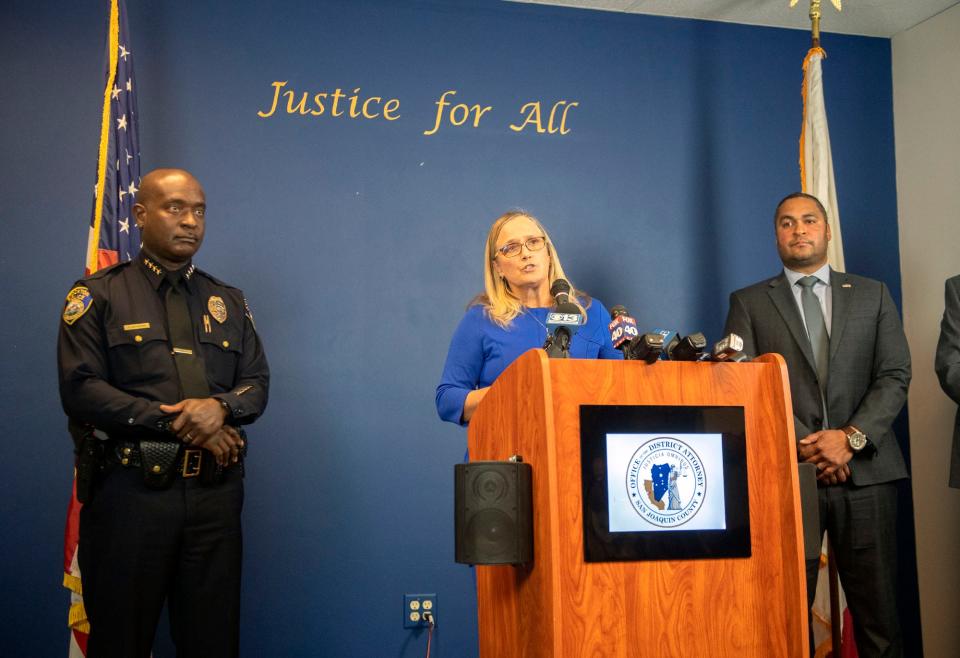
x: 217, y: 308
x: 78, y: 301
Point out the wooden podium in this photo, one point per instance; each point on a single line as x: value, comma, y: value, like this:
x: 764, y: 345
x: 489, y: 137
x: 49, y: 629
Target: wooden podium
x: 561, y: 606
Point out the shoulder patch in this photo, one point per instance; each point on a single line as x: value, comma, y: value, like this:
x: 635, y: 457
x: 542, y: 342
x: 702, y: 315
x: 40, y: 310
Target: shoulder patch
x: 78, y: 302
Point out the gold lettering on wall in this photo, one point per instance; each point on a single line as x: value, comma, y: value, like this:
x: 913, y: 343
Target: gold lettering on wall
x: 556, y: 120
x: 335, y: 104
x: 535, y: 116
x: 458, y: 114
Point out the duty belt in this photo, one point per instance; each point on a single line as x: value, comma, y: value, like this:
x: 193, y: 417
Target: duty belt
x: 188, y: 462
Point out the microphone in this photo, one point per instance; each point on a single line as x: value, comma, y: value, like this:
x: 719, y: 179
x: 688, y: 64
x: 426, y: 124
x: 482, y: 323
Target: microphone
x: 626, y: 338
x: 623, y: 329
x: 562, y: 322
x: 647, y: 348
x: 670, y: 340
x: 689, y: 348
x: 560, y: 291
x: 729, y: 348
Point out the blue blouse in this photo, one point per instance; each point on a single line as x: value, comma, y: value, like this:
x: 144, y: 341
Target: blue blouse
x: 480, y: 350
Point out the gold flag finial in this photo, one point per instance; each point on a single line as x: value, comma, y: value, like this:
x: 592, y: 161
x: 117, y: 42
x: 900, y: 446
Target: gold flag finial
x: 815, y: 17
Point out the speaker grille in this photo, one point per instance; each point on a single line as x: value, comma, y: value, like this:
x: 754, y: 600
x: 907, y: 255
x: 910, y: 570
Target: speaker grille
x: 489, y: 486
x: 493, y: 513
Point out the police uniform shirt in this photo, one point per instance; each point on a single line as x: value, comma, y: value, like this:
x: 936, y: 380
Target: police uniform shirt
x: 114, y: 354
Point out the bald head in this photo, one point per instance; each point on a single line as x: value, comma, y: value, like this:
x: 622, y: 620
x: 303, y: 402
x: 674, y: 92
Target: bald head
x: 156, y: 180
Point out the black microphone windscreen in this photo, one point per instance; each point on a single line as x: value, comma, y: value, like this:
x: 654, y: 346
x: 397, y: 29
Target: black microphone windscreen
x: 618, y: 311
x: 560, y: 286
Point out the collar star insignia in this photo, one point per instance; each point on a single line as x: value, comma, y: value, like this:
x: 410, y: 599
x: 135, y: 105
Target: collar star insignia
x: 189, y: 272
x: 153, y: 267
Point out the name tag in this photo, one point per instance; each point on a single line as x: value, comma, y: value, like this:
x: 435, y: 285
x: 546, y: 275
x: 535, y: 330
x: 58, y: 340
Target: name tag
x: 136, y: 327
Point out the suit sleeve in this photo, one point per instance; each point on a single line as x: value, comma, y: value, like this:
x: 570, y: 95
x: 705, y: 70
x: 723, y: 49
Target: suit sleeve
x: 248, y: 397
x: 947, y: 362
x: 85, y: 392
x: 891, y: 375
x: 739, y: 322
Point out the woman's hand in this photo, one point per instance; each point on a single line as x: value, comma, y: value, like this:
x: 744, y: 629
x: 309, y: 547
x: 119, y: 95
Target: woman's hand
x: 473, y: 399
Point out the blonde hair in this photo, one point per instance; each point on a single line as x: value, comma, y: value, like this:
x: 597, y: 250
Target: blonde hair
x: 500, y: 303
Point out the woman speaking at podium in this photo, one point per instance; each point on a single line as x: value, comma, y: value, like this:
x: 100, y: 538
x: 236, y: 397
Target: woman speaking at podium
x: 510, y: 317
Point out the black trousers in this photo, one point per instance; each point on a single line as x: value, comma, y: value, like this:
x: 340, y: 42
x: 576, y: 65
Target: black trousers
x: 140, y: 547
x: 861, y: 523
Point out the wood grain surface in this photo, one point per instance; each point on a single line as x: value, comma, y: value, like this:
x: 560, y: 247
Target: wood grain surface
x: 562, y: 606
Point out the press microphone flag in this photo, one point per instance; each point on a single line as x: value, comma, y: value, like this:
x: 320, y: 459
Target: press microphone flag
x: 623, y: 328
x: 563, y: 321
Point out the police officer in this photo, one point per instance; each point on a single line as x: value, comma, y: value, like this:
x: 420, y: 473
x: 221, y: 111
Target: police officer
x: 162, y: 364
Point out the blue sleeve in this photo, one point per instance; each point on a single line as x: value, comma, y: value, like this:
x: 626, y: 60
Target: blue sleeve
x: 607, y: 350
x: 461, y: 372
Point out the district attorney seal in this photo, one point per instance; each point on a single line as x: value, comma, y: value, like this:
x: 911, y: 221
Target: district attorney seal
x: 666, y: 482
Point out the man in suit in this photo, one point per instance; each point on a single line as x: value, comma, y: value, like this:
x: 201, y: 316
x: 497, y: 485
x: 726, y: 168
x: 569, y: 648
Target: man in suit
x: 849, y: 369
x: 947, y: 365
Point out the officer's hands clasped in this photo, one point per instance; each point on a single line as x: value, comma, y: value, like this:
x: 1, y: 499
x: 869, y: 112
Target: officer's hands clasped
x: 199, y: 422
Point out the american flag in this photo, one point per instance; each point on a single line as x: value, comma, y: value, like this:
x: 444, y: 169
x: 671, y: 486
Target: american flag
x: 113, y: 233
x: 113, y: 237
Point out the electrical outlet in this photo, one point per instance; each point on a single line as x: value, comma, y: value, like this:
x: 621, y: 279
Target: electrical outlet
x: 418, y: 609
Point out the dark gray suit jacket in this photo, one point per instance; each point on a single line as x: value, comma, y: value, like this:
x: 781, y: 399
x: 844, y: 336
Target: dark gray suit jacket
x: 948, y: 365
x: 869, y: 362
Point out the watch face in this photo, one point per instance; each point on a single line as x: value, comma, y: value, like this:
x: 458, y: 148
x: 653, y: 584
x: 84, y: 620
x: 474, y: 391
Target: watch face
x: 857, y: 440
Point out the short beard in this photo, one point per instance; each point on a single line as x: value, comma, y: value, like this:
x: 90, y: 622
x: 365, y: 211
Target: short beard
x: 818, y: 260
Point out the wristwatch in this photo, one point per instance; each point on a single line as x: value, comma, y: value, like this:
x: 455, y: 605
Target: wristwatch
x: 856, y: 439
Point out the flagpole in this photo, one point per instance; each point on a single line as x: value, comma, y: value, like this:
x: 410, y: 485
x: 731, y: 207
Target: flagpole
x: 815, y: 15
x: 816, y: 175
x: 833, y: 576
x: 815, y: 22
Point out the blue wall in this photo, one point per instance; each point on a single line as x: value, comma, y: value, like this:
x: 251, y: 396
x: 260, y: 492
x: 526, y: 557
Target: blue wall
x: 359, y: 242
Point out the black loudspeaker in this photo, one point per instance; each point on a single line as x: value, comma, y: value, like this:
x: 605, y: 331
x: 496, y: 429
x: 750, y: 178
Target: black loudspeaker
x: 493, y: 512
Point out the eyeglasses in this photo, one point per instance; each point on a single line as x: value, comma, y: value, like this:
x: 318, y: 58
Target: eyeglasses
x: 512, y: 249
